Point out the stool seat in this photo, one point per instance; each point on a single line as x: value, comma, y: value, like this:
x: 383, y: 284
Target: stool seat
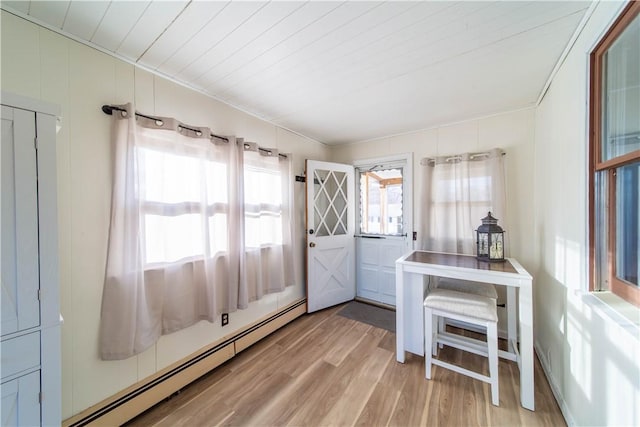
x: 479, y: 288
x: 462, y: 303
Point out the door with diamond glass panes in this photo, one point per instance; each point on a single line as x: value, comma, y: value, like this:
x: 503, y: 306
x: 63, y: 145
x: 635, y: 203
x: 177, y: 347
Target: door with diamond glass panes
x: 330, y: 234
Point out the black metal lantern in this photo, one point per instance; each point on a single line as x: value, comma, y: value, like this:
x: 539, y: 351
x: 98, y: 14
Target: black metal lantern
x: 490, y: 240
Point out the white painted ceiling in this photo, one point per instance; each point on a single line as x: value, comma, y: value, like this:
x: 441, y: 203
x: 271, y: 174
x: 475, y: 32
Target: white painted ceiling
x: 335, y: 71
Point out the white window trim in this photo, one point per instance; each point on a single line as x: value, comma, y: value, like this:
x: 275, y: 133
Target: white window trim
x: 407, y: 184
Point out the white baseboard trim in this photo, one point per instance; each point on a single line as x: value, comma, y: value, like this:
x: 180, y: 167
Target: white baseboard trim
x: 131, y: 402
x: 555, y: 389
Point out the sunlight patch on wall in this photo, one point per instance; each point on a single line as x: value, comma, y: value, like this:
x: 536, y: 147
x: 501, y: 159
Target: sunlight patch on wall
x: 579, y: 339
x: 568, y: 265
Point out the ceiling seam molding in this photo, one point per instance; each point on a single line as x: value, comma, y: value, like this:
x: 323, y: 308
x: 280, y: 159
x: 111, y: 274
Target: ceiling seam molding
x: 154, y: 72
x: 565, y: 52
x: 163, y: 31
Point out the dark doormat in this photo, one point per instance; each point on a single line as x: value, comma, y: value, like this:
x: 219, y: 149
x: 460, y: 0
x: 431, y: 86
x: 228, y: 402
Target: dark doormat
x: 370, y: 314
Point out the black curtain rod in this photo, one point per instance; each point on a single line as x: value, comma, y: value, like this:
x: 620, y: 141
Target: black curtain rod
x: 108, y: 109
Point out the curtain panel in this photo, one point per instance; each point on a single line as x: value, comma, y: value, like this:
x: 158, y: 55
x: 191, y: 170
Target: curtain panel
x: 177, y: 251
x: 268, y: 261
x: 457, y: 192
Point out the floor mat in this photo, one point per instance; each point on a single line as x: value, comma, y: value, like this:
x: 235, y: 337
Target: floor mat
x: 370, y: 314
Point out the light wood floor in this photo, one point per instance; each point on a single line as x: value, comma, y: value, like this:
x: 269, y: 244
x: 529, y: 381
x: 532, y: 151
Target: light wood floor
x: 324, y: 369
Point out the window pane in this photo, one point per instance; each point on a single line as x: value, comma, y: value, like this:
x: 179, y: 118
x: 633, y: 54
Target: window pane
x: 263, y: 207
x: 218, y: 234
x: 381, y: 202
x: 171, y: 238
x: 627, y: 223
x: 621, y: 94
x: 179, y: 192
x: 263, y: 230
x: 164, y: 176
x: 330, y: 204
x: 262, y: 186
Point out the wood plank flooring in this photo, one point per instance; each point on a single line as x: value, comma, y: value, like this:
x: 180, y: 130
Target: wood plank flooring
x: 324, y: 370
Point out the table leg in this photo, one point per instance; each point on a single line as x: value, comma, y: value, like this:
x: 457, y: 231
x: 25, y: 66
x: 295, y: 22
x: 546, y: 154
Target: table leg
x: 399, y: 314
x: 512, y: 315
x: 413, y: 313
x: 526, y: 347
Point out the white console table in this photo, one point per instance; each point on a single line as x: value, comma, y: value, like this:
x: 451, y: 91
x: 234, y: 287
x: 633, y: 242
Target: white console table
x: 410, y: 293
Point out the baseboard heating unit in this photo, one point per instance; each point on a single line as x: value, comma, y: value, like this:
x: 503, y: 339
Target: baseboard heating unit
x: 141, y: 396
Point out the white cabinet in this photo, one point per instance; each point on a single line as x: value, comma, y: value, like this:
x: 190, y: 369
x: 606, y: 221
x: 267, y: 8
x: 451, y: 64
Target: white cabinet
x: 30, y: 319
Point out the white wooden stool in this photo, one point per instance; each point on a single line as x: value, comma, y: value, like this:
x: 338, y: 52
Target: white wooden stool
x: 478, y: 288
x: 470, y: 308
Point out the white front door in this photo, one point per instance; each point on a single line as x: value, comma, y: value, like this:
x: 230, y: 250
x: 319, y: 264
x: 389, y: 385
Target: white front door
x: 330, y: 234
x: 384, y: 228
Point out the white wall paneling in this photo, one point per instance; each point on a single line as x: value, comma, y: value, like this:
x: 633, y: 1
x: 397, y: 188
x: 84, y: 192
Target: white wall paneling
x: 44, y: 65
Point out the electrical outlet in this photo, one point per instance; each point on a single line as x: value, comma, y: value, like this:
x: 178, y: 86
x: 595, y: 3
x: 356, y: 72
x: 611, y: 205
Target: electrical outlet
x: 225, y: 319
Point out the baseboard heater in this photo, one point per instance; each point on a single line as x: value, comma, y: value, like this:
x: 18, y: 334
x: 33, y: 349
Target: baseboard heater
x: 141, y: 396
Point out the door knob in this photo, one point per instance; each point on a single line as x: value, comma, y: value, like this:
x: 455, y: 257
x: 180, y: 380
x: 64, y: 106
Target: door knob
x: 312, y: 245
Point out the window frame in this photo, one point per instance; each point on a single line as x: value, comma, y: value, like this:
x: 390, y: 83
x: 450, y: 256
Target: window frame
x: 607, y: 171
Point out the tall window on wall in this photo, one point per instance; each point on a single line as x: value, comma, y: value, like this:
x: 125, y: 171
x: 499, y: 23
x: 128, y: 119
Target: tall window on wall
x: 457, y: 192
x: 184, y: 199
x: 199, y: 226
x: 614, y: 183
x: 267, y: 221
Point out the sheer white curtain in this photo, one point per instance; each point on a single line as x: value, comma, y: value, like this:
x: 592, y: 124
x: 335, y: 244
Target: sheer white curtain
x: 170, y: 261
x: 457, y: 192
x: 268, y: 255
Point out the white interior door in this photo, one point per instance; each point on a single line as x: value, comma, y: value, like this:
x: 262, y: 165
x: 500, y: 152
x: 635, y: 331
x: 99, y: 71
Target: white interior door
x: 330, y: 234
x: 384, y: 226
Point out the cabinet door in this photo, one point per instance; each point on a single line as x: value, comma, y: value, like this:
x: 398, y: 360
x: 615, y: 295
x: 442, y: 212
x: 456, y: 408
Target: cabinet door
x: 19, y: 222
x: 21, y: 401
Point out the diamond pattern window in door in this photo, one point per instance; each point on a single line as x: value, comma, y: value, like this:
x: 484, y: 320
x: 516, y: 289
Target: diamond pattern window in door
x: 330, y: 204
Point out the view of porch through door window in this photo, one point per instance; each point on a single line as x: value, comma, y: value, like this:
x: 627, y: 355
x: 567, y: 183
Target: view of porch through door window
x: 381, y: 201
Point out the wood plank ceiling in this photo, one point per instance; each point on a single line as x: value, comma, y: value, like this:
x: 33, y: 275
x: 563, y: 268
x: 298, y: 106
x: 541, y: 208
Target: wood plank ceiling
x: 334, y: 71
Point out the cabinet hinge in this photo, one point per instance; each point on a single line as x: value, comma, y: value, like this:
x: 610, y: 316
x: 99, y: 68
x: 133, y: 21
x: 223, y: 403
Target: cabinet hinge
x: 40, y: 397
x: 35, y: 142
x: 39, y: 295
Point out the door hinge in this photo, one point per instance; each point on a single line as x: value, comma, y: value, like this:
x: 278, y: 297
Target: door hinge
x: 40, y: 397
x: 39, y: 295
x: 35, y: 142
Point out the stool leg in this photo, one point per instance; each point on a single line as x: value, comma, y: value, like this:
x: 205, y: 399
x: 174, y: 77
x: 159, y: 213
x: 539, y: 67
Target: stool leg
x: 442, y: 325
x: 434, y: 346
x: 492, y: 343
x: 428, y: 342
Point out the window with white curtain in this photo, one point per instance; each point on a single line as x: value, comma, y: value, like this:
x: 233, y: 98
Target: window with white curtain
x: 267, y: 221
x: 457, y: 192
x: 198, y: 228
x: 183, y: 198
x: 262, y: 203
